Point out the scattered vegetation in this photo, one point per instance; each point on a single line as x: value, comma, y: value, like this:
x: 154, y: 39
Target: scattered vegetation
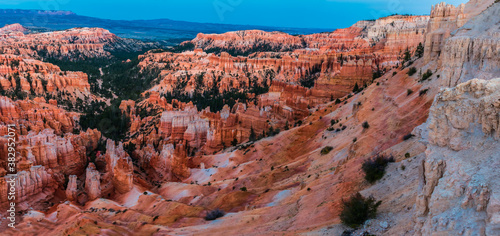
x: 109, y: 120
x: 375, y: 168
x: 412, y: 71
x: 212, y: 215
x: 408, y: 136
x: 356, y: 88
x: 234, y: 142
x: 407, y: 56
x: 422, y: 92
x: 313, y: 74
x: 426, y: 75
x: 409, y: 92
x: 420, y: 51
x: 273, y: 132
x: 326, y: 150
x: 378, y: 73
x: 358, y: 209
x: 365, y: 125
x: 253, y: 135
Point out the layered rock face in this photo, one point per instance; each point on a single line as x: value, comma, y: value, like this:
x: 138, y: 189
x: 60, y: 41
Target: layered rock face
x: 30, y: 181
x: 481, y: 59
x: 248, y: 41
x: 72, y: 44
x: 445, y: 18
x: 92, y: 182
x: 39, y: 78
x: 119, y: 167
x: 174, y: 165
x: 46, y: 151
x: 396, y: 32
x: 67, y: 154
x: 336, y: 61
x: 459, y: 192
x: 71, y: 189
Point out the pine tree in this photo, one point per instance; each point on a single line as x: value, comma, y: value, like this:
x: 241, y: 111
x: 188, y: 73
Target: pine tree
x: 253, y: 136
x: 356, y: 88
x: 407, y: 55
x: 234, y: 142
x: 420, y: 51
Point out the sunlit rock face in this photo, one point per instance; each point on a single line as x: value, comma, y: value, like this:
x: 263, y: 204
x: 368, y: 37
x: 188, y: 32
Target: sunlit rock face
x: 92, y: 182
x: 119, y: 167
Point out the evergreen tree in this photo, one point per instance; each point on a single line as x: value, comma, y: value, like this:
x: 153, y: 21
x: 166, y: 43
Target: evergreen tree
x: 253, y: 136
x: 356, y: 88
x: 234, y: 142
x: 420, y: 51
x: 407, y: 55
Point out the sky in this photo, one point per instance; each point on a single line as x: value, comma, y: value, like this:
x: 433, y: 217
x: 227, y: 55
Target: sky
x: 325, y: 14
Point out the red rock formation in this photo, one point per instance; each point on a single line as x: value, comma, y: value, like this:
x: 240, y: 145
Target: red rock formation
x: 72, y: 44
x: 119, y: 167
x: 40, y: 78
x: 30, y: 181
x: 71, y: 189
x: 92, y: 182
x: 248, y: 40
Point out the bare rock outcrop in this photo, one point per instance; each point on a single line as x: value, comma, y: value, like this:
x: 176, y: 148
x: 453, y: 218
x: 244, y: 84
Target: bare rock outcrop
x: 92, y: 182
x: 29, y: 182
x: 459, y: 191
x: 473, y: 51
x: 71, y: 189
x: 444, y: 19
x: 119, y: 167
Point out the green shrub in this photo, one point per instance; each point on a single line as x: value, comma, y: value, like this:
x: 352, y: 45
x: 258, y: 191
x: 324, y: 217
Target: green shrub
x: 408, y: 92
x: 375, y: 168
x: 212, y: 215
x: 358, y: 209
x: 244, y: 189
x: 356, y: 88
x: 408, y: 136
x: 234, y: 142
x: 333, y: 122
x: 426, y: 75
x: 420, y: 51
x: 326, y: 150
x: 412, y: 71
x: 422, y: 92
x: 365, y: 125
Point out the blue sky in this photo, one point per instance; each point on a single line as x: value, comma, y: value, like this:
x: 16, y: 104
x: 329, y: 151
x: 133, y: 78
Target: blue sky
x: 326, y: 14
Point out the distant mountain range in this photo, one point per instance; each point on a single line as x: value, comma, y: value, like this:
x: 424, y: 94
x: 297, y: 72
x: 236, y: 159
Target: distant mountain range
x: 169, y: 31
